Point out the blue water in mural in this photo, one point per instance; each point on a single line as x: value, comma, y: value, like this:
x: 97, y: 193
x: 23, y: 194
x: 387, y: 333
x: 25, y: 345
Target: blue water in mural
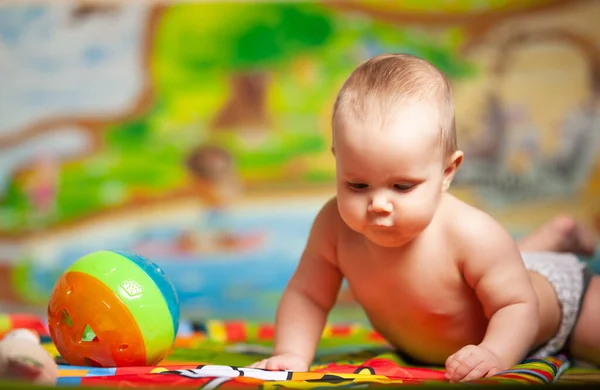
x: 240, y: 283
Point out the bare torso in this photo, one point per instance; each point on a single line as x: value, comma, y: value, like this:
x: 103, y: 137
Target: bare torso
x: 416, y: 297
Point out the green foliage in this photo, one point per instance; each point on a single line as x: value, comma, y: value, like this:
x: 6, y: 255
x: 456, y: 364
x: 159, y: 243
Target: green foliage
x: 15, y: 196
x: 129, y: 133
x: 14, y: 207
x: 283, y: 30
x: 200, y: 39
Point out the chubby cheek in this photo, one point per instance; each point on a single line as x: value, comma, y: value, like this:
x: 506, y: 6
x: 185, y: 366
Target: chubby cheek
x: 416, y: 218
x: 414, y: 212
x: 352, y: 210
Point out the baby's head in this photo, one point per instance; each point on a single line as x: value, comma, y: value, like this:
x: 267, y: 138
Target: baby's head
x: 384, y: 85
x: 394, y: 141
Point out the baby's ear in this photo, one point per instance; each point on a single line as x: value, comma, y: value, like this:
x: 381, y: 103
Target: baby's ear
x: 333, y: 149
x: 452, y: 165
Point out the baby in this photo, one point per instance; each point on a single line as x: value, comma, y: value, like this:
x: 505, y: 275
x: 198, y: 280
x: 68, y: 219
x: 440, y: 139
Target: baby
x: 440, y: 280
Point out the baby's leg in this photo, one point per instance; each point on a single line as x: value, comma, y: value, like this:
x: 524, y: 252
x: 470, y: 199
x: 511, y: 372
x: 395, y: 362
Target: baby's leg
x: 561, y: 234
x: 585, y: 341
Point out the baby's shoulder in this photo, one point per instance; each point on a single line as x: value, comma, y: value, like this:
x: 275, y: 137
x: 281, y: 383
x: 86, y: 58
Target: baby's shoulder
x: 329, y: 215
x: 471, y: 227
x: 327, y: 223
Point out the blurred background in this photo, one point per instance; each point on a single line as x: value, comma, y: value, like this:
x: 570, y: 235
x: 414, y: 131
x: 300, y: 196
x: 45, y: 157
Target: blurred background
x: 198, y: 133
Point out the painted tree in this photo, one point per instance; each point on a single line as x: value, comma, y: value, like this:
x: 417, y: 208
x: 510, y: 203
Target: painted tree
x: 242, y: 42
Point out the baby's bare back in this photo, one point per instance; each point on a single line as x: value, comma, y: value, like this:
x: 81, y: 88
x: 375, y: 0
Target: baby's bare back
x: 414, y: 296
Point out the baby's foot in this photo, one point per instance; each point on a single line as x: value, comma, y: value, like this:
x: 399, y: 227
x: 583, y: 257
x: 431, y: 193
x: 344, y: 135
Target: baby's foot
x: 562, y: 234
x: 23, y: 358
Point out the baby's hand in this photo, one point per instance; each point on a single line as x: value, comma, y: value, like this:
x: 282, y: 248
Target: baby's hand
x: 286, y: 361
x: 472, y: 362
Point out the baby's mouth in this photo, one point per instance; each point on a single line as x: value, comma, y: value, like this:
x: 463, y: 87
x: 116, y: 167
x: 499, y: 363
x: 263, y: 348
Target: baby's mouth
x: 382, y: 223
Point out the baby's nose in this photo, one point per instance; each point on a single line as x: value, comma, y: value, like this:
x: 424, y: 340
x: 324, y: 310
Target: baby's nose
x: 380, y: 204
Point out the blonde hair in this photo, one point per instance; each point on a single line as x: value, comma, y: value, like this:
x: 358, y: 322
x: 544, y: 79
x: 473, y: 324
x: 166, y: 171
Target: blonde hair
x: 388, y: 80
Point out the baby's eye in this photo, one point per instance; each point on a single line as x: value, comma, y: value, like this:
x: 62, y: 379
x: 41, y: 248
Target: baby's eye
x: 404, y: 187
x: 358, y: 186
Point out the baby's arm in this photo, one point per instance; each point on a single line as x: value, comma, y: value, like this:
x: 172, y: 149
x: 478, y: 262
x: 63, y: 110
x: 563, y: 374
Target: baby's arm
x: 493, y: 267
x: 308, y: 297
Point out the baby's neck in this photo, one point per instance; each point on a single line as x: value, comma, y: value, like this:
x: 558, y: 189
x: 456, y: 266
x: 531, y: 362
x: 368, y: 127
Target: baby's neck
x: 381, y: 254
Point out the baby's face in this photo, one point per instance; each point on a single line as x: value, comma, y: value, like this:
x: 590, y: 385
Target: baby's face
x: 389, y: 178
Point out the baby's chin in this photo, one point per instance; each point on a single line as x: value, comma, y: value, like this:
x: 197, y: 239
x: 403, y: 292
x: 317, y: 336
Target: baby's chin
x: 386, y: 237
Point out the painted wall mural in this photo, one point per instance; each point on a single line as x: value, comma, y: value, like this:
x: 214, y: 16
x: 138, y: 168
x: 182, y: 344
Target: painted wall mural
x: 198, y: 134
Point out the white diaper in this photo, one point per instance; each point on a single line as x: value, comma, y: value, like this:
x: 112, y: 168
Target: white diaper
x: 570, y: 278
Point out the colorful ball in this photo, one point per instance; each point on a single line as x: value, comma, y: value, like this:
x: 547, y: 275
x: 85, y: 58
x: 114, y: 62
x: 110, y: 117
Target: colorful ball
x: 113, y: 309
